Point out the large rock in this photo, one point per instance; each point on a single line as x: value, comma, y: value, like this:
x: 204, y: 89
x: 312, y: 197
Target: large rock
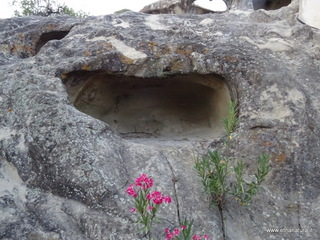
x: 69, y: 150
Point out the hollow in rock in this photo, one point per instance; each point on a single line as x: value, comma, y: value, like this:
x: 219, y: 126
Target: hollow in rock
x: 184, y: 106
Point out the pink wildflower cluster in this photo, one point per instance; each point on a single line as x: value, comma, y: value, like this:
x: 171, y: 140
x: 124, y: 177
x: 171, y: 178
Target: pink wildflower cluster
x: 131, y: 191
x: 177, y: 231
x: 158, y: 197
x: 141, y: 189
x: 196, y: 237
x: 144, y: 182
x: 147, y: 204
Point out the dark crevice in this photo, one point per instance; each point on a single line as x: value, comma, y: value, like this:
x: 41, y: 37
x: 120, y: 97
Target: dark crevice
x: 299, y: 216
x: 222, y: 221
x: 46, y: 37
x: 174, y: 181
x: 270, y: 4
x: 260, y: 126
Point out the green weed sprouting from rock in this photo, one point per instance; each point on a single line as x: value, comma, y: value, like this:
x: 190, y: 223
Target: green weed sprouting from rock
x: 215, y: 175
x: 213, y: 171
x: 242, y: 191
x: 231, y: 121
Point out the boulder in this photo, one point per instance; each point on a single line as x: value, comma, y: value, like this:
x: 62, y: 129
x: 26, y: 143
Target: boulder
x: 89, y: 105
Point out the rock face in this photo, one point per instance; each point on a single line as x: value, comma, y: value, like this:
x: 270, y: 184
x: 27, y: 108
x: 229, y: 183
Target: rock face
x: 87, y: 106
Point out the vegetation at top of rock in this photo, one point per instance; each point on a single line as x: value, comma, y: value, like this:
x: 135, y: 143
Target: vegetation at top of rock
x: 122, y: 11
x: 44, y: 8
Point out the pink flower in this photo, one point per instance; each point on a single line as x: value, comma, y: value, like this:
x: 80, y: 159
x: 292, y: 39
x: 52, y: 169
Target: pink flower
x: 196, y: 237
x: 170, y: 235
x: 158, y: 198
x: 205, y: 236
x: 144, y: 182
x: 183, y: 227
x: 131, y: 191
x: 150, y: 208
x: 176, y: 231
x: 132, y: 210
x: 167, y: 199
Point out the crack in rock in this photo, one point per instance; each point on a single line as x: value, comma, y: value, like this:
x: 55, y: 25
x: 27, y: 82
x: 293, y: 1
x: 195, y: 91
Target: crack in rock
x: 174, y: 181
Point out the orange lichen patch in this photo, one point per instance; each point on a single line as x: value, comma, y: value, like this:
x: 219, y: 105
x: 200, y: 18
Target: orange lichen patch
x: 21, y: 36
x: 87, y: 53
x: 64, y: 75
x: 163, y: 51
x: 152, y: 45
x: 279, y: 158
x: 28, y: 49
x: 205, y: 51
x: 17, y: 49
x: 230, y: 59
x: 267, y: 144
x: 185, y: 50
x: 126, y: 60
x: 167, y: 50
x: 177, y: 66
x: 51, y: 27
x: 85, y: 67
x: 106, y: 45
x: 253, y: 138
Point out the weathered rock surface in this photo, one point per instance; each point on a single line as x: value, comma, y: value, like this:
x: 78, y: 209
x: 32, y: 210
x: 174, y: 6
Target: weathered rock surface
x: 63, y: 173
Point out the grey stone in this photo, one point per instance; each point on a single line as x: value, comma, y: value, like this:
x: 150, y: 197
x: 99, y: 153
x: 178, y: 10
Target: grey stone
x: 64, y: 172
x: 174, y: 7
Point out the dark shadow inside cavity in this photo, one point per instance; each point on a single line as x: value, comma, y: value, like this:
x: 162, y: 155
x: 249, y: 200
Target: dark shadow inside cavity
x: 46, y: 37
x: 185, y: 106
x: 270, y: 4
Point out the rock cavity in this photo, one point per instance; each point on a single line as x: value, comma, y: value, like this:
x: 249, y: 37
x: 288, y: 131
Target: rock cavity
x: 187, y: 106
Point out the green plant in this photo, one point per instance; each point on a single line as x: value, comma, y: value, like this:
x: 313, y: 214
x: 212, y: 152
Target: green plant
x: 242, y: 191
x: 216, y: 178
x: 213, y: 171
x: 231, y: 121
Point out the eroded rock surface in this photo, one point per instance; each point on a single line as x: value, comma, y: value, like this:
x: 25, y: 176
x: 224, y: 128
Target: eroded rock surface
x: 64, y: 173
